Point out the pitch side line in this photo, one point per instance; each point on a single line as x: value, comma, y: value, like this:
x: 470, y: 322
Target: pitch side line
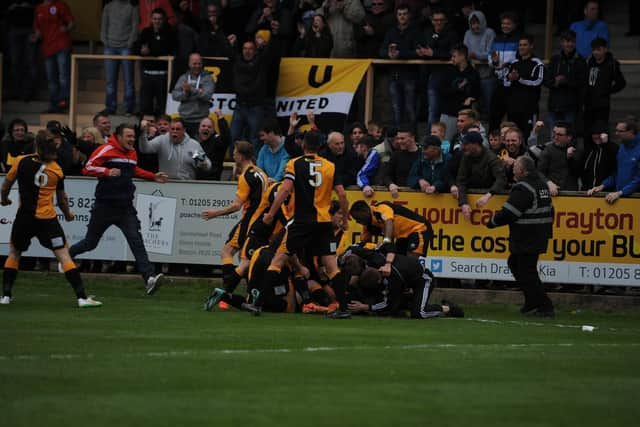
x: 189, y: 353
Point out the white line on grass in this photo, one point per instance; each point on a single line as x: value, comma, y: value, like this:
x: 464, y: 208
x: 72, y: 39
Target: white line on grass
x: 430, y: 346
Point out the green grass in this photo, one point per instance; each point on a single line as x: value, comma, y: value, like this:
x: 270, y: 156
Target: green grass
x: 162, y: 361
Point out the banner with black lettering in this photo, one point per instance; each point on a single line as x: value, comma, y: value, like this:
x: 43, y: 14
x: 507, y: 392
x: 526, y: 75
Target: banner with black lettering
x: 325, y: 86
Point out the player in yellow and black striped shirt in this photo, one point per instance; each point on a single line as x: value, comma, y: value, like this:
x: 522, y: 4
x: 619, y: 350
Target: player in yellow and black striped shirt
x: 311, y: 179
x: 252, y: 183
x: 39, y: 179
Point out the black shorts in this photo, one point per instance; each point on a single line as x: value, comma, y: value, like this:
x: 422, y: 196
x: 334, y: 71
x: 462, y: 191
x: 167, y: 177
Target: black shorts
x: 238, y: 233
x: 48, y: 231
x: 415, y: 243
x: 315, y: 237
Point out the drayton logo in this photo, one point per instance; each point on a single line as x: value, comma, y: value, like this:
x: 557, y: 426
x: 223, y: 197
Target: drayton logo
x: 436, y: 266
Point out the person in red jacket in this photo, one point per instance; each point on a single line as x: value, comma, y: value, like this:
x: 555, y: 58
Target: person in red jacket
x: 52, y: 24
x: 115, y: 165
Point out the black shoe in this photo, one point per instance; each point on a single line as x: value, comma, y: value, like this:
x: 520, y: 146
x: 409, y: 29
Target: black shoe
x: 338, y: 314
x: 454, y: 309
x: 543, y: 313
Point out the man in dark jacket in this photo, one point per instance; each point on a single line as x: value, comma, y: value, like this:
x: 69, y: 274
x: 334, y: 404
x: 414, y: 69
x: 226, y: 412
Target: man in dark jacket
x: 460, y: 87
x: 370, y: 34
x: 436, y: 44
x: 159, y: 39
x: 479, y: 168
x: 529, y: 213
x: 524, y: 81
x: 604, y: 78
x: 399, y: 43
x: 600, y: 159
x: 430, y: 174
x: 251, y: 68
x: 565, y: 76
x: 115, y: 165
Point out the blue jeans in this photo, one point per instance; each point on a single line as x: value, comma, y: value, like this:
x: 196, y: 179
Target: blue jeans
x: 112, y: 68
x: 564, y: 116
x: 487, y: 88
x: 433, y: 97
x: 126, y: 219
x: 244, y: 116
x: 58, y: 72
x: 403, y: 101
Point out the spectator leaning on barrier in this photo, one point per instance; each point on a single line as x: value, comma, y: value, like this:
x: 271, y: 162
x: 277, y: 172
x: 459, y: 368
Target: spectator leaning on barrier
x: 626, y: 179
x: 365, y: 150
x: 430, y: 174
x: 118, y: 33
x: 604, y: 78
x: 399, y: 165
x: 529, y: 214
x: 560, y: 163
x: 180, y: 156
x: 479, y: 168
x: 272, y: 157
x: 600, y: 157
x: 214, y: 144
x: 565, y: 76
x: 158, y: 39
x: 343, y: 157
x: 194, y: 90
x: 52, y: 24
x: 589, y: 29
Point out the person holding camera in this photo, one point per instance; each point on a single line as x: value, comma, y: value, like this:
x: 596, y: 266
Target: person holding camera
x: 180, y: 156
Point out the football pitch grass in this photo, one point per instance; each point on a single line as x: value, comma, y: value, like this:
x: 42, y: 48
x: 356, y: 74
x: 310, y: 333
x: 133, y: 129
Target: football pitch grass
x: 163, y: 361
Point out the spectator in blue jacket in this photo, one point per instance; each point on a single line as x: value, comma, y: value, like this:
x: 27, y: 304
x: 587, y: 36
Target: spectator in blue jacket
x: 272, y: 157
x: 365, y: 150
x: 430, y: 174
x: 589, y: 29
x: 626, y: 179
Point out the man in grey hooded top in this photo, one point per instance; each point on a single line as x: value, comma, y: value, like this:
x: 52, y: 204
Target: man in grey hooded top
x: 178, y: 154
x: 478, y: 40
x: 194, y: 90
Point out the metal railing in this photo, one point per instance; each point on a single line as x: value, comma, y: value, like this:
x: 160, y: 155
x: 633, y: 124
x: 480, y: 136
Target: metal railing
x: 73, y: 95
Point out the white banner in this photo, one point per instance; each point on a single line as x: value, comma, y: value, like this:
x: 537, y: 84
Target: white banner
x: 7, y: 214
x: 157, y: 220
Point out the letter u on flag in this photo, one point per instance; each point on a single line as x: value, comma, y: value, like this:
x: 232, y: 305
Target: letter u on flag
x: 325, y: 86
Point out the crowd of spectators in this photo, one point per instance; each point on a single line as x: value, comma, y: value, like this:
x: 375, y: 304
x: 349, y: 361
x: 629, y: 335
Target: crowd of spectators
x: 482, y: 108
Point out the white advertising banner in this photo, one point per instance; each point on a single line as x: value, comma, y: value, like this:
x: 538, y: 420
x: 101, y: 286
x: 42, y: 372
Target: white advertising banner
x: 157, y: 216
x: 7, y: 214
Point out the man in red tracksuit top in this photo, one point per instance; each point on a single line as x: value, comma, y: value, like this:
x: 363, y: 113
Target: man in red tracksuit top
x: 115, y: 165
